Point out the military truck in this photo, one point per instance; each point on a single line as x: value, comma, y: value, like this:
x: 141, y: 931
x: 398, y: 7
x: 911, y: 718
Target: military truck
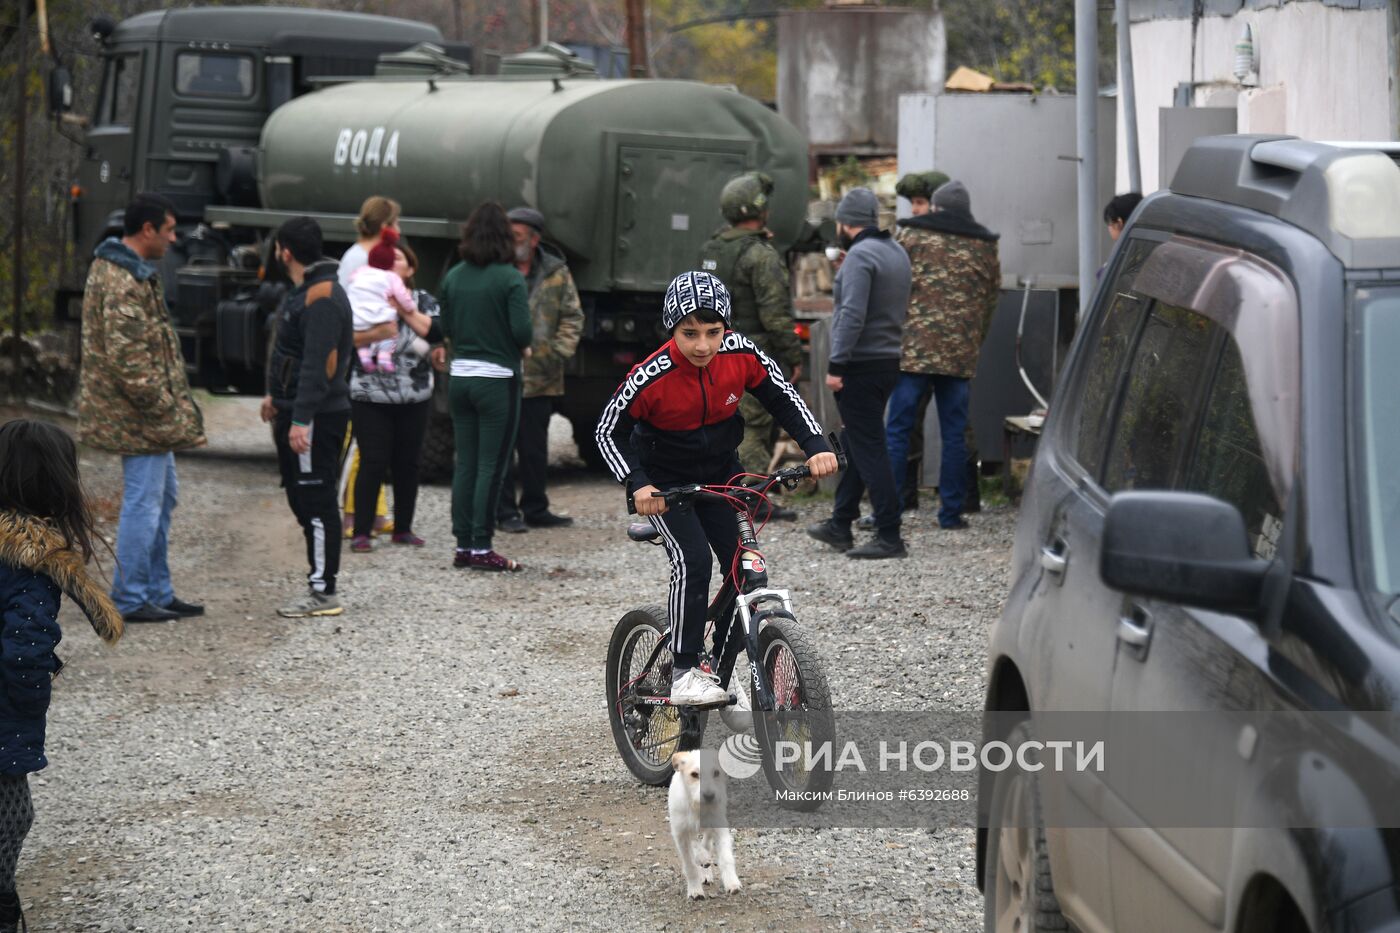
x: 248, y: 116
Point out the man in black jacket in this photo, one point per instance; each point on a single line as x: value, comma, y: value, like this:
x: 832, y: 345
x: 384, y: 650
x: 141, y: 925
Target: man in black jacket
x: 308, y: 403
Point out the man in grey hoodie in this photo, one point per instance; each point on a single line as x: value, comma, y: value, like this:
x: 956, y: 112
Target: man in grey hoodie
x: 871, y: 297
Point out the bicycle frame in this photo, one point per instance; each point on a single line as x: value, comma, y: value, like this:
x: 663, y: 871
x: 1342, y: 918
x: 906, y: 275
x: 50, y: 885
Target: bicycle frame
x: 727, y: 602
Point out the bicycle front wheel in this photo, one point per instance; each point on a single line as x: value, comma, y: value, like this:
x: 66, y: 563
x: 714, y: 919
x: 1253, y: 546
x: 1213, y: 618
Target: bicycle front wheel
x: 646, y: 735
x: 802, y: 713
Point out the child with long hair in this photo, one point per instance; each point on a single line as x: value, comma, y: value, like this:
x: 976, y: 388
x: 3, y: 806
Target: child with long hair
x: 46, y: 535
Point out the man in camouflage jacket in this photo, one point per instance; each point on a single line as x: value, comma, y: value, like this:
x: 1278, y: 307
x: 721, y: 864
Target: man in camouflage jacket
x: 135, y: 400
x: 741, y: 257
x: 956, y: 277
x: 557, y: 317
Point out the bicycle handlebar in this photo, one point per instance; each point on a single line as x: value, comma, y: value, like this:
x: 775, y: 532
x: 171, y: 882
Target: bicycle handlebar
x: 749, y: 496
x: 681, y: 495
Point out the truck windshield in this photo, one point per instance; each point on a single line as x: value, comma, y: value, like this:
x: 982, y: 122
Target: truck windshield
x: 1377, y: 349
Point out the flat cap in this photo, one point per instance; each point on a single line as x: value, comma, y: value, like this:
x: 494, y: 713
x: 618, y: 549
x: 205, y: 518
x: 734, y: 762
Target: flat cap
x: 527, y: 216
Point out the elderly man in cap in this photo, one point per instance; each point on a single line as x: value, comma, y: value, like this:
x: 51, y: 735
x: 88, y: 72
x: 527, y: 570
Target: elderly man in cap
x: 558, y: 322
x: 871, y: 297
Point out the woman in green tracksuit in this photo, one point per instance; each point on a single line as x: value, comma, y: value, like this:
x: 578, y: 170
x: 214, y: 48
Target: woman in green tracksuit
x: 486, y: 318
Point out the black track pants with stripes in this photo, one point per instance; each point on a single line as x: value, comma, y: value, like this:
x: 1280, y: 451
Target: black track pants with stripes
x: 311, y: 481
x: 690, y: 535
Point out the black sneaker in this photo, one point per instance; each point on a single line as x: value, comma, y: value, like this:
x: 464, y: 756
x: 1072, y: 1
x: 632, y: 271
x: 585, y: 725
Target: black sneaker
x: 548, y: 520
x: 514, y: 525
x: 182, y: 608
x: 878, y: 549
x: 149, y: 613
x: 776, y: 513
x: 830, y: 533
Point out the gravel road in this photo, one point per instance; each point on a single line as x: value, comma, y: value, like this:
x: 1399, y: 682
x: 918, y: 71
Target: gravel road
x: 438, y: 758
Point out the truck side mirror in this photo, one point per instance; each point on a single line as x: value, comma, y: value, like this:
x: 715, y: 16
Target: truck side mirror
x: 60, y: 90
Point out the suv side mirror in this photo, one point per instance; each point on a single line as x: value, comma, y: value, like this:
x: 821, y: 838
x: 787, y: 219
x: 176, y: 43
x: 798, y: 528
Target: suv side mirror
x: 1183, y: 547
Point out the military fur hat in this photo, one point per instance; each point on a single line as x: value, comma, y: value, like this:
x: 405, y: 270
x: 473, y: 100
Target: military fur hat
x: 690, y: 292
x: 746, y: 197
x: 920, y: 184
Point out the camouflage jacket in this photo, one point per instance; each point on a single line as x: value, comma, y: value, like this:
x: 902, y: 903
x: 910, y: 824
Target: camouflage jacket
x: 757, y: 281
x: 956, y: 278
x: 557, y: 317
x: 133, y: 397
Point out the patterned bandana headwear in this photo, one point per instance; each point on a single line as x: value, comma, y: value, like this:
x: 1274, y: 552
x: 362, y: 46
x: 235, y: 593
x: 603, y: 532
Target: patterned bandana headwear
x: 691, y: 291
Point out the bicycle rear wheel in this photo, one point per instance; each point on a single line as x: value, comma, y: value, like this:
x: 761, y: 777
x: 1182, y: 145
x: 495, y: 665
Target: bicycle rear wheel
x: 646, y: 736
x: 803, y: 714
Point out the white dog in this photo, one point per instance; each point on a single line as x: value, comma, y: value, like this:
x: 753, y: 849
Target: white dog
x: 698, y: 822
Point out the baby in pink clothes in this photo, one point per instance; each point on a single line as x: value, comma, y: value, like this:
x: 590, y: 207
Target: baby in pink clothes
x: 376, y: 296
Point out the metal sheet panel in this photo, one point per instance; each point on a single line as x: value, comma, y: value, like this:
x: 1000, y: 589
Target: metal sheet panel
x: 841, y: 72
x: 1016, y: 154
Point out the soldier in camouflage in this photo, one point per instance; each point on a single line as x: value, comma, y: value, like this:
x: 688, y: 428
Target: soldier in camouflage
x: 741, y: 257
x: 956, y: 277
x: 557, y: 317
x: 134, y: 399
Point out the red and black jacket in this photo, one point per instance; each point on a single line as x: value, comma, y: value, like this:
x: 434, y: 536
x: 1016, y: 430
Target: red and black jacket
x: 672, y: 414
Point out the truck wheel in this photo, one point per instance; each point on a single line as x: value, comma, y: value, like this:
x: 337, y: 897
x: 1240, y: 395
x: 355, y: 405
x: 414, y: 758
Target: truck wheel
x: 436, y: 463
x: 587, y: 446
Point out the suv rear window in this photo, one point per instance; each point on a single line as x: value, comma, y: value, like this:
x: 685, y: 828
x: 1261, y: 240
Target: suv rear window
x: 1227, y: 461
x: 1164, y: 381
x: 1191, y: 381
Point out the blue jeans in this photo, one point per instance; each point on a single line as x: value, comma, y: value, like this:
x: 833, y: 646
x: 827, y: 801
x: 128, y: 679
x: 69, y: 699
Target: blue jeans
x: 951, y: 395
x: 149, y: 494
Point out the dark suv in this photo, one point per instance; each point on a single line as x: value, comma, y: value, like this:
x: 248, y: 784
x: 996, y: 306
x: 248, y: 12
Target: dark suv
x: 1212, y: 524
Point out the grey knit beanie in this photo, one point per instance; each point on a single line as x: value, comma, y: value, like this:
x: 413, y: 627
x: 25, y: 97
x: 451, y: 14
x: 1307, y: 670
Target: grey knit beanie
x: 953, y: 198
x: 859, y: 208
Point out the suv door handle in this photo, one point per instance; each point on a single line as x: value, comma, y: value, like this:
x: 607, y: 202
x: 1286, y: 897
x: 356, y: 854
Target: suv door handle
x: 1135, y: 632
x: 1054, y: 559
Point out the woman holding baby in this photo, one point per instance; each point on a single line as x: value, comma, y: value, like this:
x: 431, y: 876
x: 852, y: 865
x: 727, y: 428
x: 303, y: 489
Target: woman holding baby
x: 390, y: 403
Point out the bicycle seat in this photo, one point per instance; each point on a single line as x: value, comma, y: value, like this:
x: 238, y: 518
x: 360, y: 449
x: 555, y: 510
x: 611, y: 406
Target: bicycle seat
x: 642, y: 531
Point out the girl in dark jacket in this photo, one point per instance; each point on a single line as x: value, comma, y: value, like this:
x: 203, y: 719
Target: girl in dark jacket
x: 46, y: 537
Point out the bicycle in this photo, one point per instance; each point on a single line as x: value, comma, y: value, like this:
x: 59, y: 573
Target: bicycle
x: 788, y: 691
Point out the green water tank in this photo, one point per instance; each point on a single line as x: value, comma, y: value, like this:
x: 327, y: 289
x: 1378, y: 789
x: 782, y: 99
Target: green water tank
x: 627, y: 173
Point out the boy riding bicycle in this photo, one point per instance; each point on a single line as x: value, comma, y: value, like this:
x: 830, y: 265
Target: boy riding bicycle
x: 675, y: 421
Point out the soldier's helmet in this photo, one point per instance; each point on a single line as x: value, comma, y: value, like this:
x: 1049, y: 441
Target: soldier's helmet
x: 746, y: 197
x: 920, y: 184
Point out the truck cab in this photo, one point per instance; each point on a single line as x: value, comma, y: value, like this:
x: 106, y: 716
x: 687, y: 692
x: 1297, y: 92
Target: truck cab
x: 180, y: 111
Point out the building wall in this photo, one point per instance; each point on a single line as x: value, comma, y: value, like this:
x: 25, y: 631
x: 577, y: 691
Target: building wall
x: 1325, y: 71
x: 841, y: 71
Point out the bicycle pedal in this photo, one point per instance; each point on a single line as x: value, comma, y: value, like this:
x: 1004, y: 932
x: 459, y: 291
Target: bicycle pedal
x: 729, y: 702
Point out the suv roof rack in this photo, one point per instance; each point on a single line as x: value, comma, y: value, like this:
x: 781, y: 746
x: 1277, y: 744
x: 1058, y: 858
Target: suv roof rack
x: 1345, y: 194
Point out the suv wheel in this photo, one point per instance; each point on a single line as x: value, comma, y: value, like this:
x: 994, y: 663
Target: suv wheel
x: 1020, y: 896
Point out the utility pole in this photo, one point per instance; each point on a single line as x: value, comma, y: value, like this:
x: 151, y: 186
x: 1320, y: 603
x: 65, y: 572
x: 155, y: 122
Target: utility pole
x: 1086, y: 80
x: 540, y: 13
x: 21, y: 115
x: 637, y: 37
x: 1127, y: 93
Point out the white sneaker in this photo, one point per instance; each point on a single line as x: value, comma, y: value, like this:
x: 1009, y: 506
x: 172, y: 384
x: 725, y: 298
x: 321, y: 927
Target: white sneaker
x: 739, y: 716
x: 696, y: 688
